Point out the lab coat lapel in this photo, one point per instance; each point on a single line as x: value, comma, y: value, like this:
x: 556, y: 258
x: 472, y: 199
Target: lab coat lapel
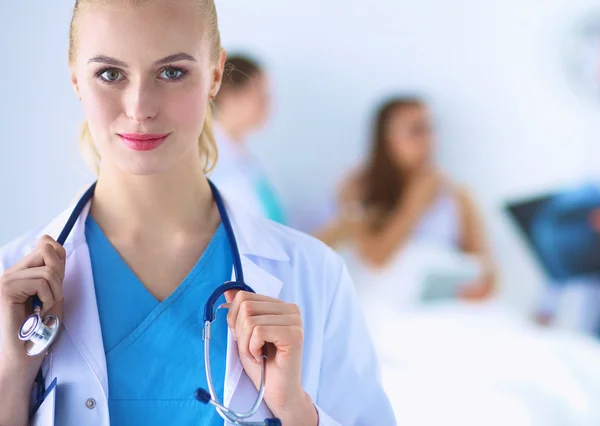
x: 253, y: 242
x: 80, y: 319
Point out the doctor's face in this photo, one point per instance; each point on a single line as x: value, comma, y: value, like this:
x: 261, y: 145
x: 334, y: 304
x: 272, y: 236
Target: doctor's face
x: 144, y: 74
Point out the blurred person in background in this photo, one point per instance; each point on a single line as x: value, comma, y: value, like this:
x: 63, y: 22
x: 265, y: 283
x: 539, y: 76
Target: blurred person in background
x: 566, y: 235
x: 399, y: 195
x: 563, y: 244
x: 242, y: 107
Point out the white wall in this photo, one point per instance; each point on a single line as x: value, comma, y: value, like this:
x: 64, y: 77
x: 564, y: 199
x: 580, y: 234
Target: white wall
x: 509, y: 124
x: 40, y: 169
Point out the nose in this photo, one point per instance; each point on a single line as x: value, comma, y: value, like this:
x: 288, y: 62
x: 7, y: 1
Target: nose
x: 141, y: 102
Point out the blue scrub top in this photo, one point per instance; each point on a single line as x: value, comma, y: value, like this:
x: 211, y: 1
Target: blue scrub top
x: 154, y: 350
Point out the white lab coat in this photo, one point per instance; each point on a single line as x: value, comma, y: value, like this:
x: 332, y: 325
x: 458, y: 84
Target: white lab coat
x: 339, y: 370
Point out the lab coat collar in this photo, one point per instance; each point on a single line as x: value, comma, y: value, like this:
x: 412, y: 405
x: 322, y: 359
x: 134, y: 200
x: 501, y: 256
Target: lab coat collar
x: 254, y: 238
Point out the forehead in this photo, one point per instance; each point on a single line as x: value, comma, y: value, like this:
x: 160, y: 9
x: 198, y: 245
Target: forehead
x: 139, y: 33
x: 407, y: 113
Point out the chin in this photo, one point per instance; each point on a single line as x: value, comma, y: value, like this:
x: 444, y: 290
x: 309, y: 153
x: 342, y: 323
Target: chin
x: 158, y: 161
x: 143, y: 167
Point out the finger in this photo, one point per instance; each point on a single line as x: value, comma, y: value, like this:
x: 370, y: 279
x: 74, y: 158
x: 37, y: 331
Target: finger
x: 230, y: 295
x: 246, y: 324
x: 240, y: 299
x: 60, y: 250
x: 242, y: 335
x: 21, y: 290
x: 51, y: 276
x: 52, y: 260
x: 44, y: 293
x: 35, y: 258
x: 32, y: 260
x: 285, y: 338
x: 53, y: 253
x: 251, y: 308
x: 250, y: 322
x: 45, y: 273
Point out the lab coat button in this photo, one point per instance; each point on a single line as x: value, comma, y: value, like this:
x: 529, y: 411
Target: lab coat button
x: 90, y: 403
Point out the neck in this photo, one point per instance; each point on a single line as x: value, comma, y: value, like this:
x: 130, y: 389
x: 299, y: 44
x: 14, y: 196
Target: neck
x: 412, y: 173
x: 177, y: 202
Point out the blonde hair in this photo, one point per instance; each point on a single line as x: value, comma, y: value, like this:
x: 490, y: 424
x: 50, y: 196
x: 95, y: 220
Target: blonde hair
x: 206, y: 141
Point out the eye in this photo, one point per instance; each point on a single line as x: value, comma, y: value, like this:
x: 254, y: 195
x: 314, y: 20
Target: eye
x: 172, y: 73
x: 110, y: 76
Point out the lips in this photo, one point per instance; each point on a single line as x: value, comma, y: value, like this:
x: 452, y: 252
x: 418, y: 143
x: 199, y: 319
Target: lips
x: 143, y: 141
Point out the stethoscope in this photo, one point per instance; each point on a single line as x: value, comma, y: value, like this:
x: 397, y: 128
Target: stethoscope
x: 39, y: 332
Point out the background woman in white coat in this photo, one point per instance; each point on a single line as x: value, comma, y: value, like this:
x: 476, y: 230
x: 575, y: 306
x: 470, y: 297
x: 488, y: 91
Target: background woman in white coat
x: 132, y: 279
x: 241, y: 108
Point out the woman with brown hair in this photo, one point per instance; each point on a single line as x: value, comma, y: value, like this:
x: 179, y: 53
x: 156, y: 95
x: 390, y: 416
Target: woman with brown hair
x: 399, y: 195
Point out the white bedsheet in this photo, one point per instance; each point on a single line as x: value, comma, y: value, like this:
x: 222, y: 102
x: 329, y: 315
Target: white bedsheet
x: 480, y: 365
x: 462, y: 364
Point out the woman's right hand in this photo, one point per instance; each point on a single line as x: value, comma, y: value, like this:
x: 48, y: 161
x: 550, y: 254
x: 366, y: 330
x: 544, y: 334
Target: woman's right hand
x: 41, y: 272
x: 352, y: 188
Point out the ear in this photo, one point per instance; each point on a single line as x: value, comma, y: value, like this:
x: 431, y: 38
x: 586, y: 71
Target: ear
x: 75, y: 83
x: 218, y: 74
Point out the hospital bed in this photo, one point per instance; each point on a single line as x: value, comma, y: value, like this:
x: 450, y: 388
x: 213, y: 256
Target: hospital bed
x: 458, y: 363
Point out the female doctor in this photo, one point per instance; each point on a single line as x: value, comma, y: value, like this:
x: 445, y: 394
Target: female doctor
x: 130, y: 283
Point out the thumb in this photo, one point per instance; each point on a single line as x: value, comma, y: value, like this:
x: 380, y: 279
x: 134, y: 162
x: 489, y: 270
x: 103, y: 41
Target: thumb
x: 230, y: 295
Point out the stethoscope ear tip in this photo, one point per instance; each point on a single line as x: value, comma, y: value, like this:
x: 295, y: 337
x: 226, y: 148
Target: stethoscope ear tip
x: 273, y: 422
x: 202, y: 395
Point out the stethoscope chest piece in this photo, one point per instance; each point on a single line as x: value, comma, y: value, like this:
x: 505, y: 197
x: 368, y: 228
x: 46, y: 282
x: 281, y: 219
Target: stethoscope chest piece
x: 38, y: 333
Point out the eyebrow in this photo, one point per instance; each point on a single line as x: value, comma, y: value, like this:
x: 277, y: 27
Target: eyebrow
x: 117, y: 63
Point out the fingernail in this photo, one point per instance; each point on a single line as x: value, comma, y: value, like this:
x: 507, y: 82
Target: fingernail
x: 233, y: 334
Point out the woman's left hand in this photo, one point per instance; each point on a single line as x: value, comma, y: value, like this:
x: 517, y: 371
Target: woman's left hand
x: 478, y: 290
x: 256, y: 320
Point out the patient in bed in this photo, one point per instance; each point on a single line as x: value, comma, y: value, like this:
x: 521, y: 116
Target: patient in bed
x: 399, y: 198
